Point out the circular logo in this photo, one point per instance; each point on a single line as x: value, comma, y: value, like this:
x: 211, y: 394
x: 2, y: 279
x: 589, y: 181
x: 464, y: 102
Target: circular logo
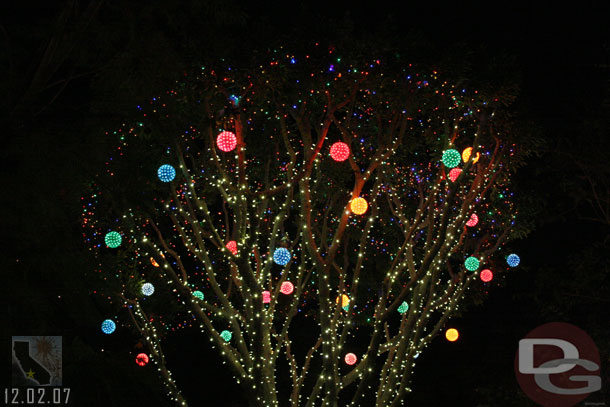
x: 558, y: 365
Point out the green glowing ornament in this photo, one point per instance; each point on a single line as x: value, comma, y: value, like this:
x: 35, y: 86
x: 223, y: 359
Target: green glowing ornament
x: 113, y: 239
x: 404, y: 307
x: 226, y: 335
x: 198, y: 294
x: 451, y: 158
x: 471, y: 263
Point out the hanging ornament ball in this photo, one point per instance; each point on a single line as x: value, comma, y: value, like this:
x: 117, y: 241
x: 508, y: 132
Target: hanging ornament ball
x: 232, y: 246
x: 339, y: 151
x: 226, y: 141
x: 474, y: 219
x: 471, y: 263
x: 351, y: 359
x: 451, y: 158
x: 287, y: 287
x: 476, y: 158
x: 113, y: 239
x: 452, y: 334
x: 148, y: 289
x: 166, y: 173
x: 359, y: 206
x: 454, y: 174
x: 142, y: 359
x: 513, y: 260
x: 226, y: 335
x: 486, y: 275
x: 266, y: 297
x: 404, y: 307
x: 344, y: 299
x: 281, y: 256
x: 154, y: 262
x: 198, y: 294
x: 466, y: 154
x: 108, y: 326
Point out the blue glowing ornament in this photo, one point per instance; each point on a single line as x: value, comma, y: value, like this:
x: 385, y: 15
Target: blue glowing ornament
x: 404, y: 307
x: 113, y: 239
x: 108, y: 326
x: 166, y: 173
x: 226, y: 335
x: 281, y: 256
x: 198, y: 294
x: 513, y: 260
x: 148, y: 289
x: 471, y: 263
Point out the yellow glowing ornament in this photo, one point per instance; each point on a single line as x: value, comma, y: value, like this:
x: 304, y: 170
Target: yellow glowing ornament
x: 359, y: 206
x: 344, y: 300
x: 154, y: 262
x: 476, y: 158
x: 466, y: 154
x: 452, y: 334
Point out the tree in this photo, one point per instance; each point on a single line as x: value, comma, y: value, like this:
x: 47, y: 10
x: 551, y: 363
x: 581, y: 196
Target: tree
x: 312, y: 215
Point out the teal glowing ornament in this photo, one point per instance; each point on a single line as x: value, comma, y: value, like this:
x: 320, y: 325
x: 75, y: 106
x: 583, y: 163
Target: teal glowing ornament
x: 147, y: 289
x: 281, y: 256
x: 108, y: 326
x: 451, y: 158
x: 198, y: 294
x: 404, y: 307
x: 166, y: 173
x: 226, y: 335
x: 513, y: 260
x: 471, y: 263
x: 113, y: 239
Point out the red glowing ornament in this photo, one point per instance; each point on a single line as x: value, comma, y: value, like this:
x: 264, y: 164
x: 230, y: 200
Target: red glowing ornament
x: 486, y: 275
x: 232, y: 246
x: 287, y: 287
x: 454, y: 174
x: 142, y: 359
x: 474, y: 219
x: 266, y: 297
x: 226, y: 141
x: 339, y: 151
x: 351, y: 359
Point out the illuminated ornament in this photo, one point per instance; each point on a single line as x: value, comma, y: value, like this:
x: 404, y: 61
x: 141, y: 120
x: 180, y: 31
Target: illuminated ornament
x: 486, y: 275
x: 166, y: 173
x: 226, y: 335
x: 471, y: 263
x: 198, y: 294
x: 513, y: 260
x: 474, y: 219
x: 232, y: 246
x: 266, y: 297
x: 344, y: 300
x: 154, y: 262
x: 351, y: 359
x: 281, y: 256
x: 108, y: 326
x: 476, y: 158
x: 452, y: 334
x: 287, y: 287
x: 466, y: 154
x: 359, y: 206
x: 404, y: 307
x: 454, y: 174
x: 226, y: 141
x: 346, y: 308
x: 148, y: 289
x: 142, y: 359
x: 339, y: 151
x: 451, y: 158
x: 113, y: 239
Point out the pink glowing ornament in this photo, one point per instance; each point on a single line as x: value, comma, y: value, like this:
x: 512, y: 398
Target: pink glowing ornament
x: 266, y: 297
x: 486, y: 275
x: 226, y: 141
x: 474, y: 219
x: 351, y: 359
x: 142, y: 359
x: 287, y: 287
x: 339, y: 151
x: 232, y: 246
x: 454, y: 174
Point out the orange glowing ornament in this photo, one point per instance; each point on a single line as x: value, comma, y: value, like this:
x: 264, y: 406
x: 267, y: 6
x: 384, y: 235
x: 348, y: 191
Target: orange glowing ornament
x: 452, y: 334
x: 154, y: 262
x: 344, y: 299
x: 359, y: 206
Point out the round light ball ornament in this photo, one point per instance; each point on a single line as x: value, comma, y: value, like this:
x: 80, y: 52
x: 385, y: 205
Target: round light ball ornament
x: 486, y: 276
x: 166, y: 173
x: 471, y: 263
x: 226, y: 141
x: 452, y: 334
x: 281, y: 256
x: 113, y: 239
x: 108, y: 326
x: 142, y: 359
x: 287, y: 288
x: 513, y: 260
x: 359, y: 206
x: 339, y: 151
x: 451, y: 158
x: 351, y: 359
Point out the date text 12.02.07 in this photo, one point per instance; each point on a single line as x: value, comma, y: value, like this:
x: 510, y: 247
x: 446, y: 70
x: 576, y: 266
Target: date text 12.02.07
x: 36, y: 396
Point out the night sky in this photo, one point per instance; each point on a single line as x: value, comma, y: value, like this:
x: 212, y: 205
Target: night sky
x: 53, y: 143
